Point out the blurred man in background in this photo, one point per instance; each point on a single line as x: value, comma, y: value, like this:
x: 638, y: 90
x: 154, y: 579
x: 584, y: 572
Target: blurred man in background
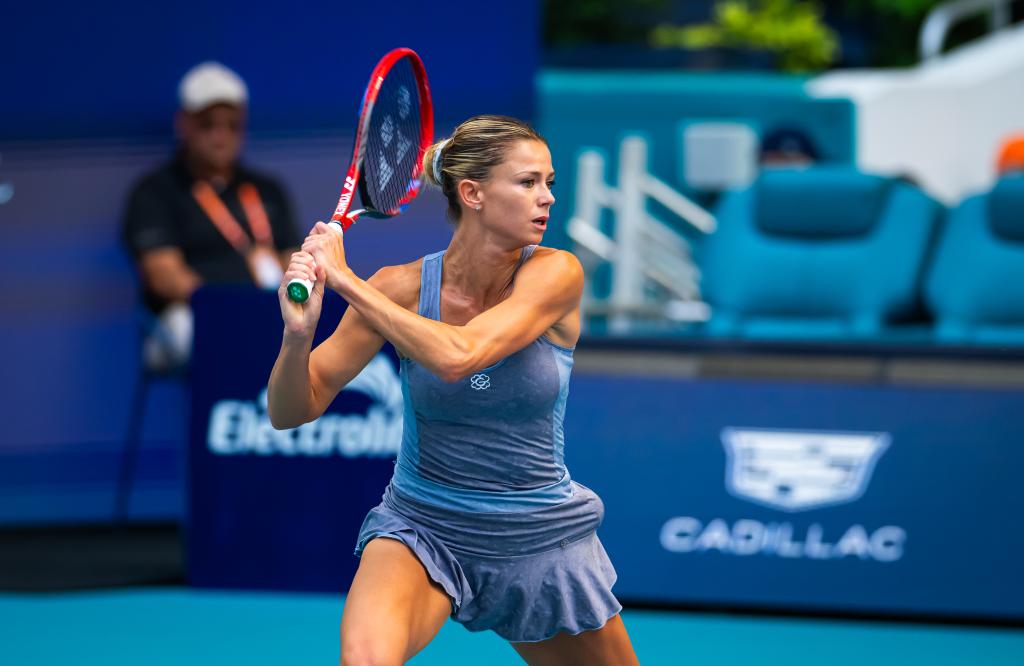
x: 787, y: 147
x: 202, y: 217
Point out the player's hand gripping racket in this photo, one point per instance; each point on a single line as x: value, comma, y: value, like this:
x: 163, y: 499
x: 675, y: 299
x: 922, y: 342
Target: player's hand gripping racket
x: 396, y: 126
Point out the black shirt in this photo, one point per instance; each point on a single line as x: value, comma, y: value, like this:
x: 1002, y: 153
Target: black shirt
x: 162, y: 212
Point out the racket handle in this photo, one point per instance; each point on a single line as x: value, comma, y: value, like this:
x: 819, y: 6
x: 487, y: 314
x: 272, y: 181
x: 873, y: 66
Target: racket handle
x: 298, y: 289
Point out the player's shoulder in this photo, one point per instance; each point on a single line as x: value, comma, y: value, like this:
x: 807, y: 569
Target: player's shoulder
x: 400, y: 283
x: 551, y: 260
x: 550, y: 273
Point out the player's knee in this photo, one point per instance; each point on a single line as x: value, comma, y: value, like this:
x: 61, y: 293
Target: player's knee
x: 369, y: 652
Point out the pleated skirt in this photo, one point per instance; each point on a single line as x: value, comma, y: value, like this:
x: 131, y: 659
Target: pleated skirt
x: 524, y: 575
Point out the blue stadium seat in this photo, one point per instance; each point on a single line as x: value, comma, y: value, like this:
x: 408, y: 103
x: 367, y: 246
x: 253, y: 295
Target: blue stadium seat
x: 824, y: 252
x: 975, y: 287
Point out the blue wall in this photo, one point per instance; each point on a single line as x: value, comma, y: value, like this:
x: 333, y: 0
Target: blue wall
x: 107, y: 69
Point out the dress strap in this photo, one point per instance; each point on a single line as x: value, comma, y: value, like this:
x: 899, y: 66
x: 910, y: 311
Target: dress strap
x: 524, y: 254
x: 430, y: 286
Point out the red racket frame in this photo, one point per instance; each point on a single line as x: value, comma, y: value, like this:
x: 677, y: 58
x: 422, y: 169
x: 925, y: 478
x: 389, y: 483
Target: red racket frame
x: 341, y: 212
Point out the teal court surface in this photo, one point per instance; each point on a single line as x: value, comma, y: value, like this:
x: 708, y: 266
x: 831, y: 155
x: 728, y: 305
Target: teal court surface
x: 169, y: 625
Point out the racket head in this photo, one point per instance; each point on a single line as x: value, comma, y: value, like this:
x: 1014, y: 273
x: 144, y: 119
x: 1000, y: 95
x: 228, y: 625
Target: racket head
x: 396, y: 126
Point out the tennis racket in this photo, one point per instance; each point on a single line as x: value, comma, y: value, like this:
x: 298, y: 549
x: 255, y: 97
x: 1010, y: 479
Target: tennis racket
x: 396, y: 126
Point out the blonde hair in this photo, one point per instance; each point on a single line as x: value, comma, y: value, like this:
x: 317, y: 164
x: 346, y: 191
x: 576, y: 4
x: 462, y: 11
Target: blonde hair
x: 474, y: 148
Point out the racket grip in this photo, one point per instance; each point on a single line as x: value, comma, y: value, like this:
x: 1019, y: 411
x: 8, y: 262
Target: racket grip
x: 299, y: 290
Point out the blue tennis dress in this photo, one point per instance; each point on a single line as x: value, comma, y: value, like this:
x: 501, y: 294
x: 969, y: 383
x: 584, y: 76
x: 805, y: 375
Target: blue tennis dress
x: 482, y: 496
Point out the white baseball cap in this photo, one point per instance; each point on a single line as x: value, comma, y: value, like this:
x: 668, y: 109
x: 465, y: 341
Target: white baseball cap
x: 211, y: 83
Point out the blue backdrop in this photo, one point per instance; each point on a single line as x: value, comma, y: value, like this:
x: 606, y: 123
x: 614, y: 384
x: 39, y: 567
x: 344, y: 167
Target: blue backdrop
x: 111, y: 69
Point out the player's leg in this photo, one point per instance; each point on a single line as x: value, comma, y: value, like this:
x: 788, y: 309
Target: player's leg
x: 608, y: 646
x: 392, y: 610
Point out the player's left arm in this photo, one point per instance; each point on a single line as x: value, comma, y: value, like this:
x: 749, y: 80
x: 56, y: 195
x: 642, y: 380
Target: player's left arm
x: 546, y: 293
x: 547, y: 290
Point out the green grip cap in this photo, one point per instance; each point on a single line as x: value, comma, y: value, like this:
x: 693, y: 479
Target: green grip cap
x: 298, y: 292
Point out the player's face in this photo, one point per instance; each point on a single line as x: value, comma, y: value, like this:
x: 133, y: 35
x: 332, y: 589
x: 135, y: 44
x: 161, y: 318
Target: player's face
x: 516, y: 199
x: 213, y: 136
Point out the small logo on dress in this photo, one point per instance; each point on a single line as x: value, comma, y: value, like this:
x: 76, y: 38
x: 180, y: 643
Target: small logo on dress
x: 480, y: 382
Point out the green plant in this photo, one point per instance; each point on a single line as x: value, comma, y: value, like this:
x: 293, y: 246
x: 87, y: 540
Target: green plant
x: 790, y: 29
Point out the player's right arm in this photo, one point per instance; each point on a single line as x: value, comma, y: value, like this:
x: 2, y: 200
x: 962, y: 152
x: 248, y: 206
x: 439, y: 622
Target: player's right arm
x: 305, y: 381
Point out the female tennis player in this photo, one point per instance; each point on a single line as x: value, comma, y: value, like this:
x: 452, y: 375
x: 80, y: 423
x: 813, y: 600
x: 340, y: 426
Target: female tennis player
x: 481, y: 521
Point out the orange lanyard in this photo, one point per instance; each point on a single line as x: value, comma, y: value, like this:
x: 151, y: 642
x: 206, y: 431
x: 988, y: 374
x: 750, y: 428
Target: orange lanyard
x: 226, y: 223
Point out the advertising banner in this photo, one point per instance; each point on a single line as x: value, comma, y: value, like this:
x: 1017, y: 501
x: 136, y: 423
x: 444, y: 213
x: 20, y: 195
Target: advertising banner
x: 863, y: 499
x: 270, y: 509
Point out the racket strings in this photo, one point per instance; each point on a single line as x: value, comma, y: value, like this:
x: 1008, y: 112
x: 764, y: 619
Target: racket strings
x: 393, y: 140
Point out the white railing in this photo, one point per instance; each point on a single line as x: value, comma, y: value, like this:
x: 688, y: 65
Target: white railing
x: 653, y: 272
